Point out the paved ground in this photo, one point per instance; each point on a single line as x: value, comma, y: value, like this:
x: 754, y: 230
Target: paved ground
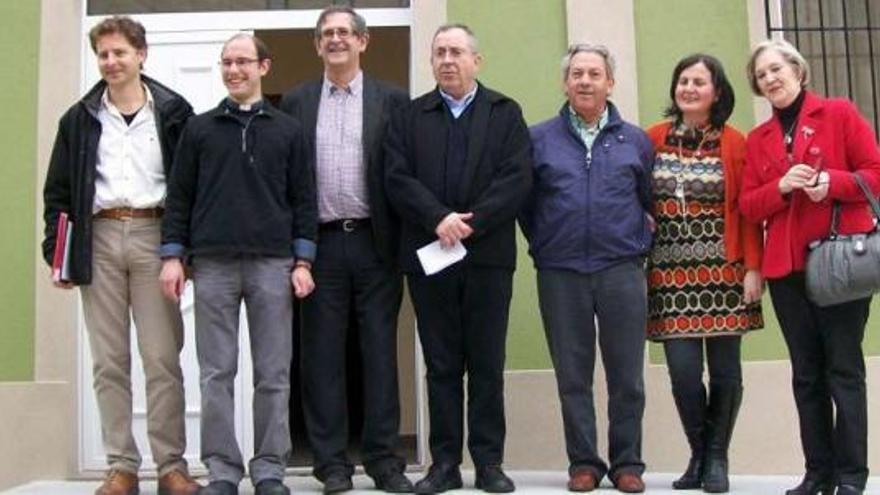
x: 531, y: 482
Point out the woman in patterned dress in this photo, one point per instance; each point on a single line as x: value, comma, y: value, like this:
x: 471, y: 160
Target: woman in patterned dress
x: 704, y: 283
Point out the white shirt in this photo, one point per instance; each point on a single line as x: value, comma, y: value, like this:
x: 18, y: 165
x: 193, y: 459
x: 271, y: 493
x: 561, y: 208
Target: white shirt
x: 129, y: 168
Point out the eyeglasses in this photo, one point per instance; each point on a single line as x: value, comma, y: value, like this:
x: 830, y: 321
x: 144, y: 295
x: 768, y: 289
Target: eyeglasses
x: 227, y: 63
x: 341, y: 33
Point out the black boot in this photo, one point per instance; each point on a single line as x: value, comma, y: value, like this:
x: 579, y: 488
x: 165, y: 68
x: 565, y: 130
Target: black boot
x: 813, y: 485
x: 724, y: 403
x: 692, y: 412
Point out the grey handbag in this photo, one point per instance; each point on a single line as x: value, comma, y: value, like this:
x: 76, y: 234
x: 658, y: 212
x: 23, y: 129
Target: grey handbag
x: 843, y: 268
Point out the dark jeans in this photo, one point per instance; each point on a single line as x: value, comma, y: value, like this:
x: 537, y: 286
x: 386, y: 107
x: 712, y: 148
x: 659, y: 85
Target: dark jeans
x: 349, y: 276
x: 684, y: 358
x: 828, y: 378
x: 462, y: 315
x: 571, y: 304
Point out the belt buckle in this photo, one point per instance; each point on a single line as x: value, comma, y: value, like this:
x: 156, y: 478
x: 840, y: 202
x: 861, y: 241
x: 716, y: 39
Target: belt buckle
x: 349, y: 225
x: 125, y: 213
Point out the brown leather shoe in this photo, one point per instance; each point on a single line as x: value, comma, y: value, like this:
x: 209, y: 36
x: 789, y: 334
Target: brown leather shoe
x: 119, y: 483
x: 629, y: 483
x: 583, y: 480
x: 178, y: 483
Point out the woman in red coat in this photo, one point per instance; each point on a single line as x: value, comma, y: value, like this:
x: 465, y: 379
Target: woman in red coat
x: 798, y: 164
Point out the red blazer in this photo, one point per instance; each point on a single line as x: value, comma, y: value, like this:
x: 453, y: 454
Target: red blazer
x: 743, y: 240
x: 832, y: 135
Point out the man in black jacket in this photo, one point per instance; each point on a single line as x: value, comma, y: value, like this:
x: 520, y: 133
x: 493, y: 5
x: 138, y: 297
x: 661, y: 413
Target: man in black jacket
x: 241, y: 204
x: 346, y: 114
x: 458, y: 168
x: 112, y: 154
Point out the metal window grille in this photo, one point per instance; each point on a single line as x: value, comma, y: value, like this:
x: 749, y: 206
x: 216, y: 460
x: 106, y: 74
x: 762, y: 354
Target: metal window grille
x: 840, y: 40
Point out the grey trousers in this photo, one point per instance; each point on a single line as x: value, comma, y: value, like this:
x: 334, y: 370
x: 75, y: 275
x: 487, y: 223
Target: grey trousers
x: 221, y: 283
x: 570, y: 304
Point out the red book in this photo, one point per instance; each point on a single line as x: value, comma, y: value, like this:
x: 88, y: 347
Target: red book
x: 60, y: 261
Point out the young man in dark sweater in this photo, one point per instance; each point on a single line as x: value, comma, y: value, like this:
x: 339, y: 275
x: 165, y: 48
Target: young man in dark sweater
x: 241, y: 204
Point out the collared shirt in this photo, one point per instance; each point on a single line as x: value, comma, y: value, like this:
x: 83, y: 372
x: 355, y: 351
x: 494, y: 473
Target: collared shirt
x: 457, y: 107
x: 586, y: 132
x: 339, y: 161
x: 129, y: 168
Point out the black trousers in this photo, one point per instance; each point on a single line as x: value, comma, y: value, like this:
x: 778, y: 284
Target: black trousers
x: 349, y: 275
x: 684, y: 358
x: 462, y: 315
x: 571, y: 305
x: 828, y: 378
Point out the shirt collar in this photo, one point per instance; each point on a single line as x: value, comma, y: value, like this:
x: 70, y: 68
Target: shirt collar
x: 463, y: 102
x: 108, y: 105
x: 581, y: 125
x: 354, y: 87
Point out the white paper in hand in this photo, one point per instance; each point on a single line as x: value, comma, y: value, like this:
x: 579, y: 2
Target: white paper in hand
x: 434, y: 257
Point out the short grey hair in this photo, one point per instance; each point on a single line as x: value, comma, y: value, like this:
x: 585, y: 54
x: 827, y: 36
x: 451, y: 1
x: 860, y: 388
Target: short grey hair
x: 473, y: 44
x: 789, y: 53
x: 358, y: 23
x: 600, y: 50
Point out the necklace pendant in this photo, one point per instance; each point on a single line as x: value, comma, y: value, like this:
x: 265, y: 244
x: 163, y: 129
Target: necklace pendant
x: 787, y: 139
x: 679, y: 190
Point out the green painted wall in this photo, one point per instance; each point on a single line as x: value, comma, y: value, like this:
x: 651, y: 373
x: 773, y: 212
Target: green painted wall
x: 664, y: 36
x: 521, y: 59
x: 19, y: 46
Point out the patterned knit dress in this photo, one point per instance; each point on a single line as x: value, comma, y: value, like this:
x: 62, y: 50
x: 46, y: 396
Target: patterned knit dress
x: 692, y: 290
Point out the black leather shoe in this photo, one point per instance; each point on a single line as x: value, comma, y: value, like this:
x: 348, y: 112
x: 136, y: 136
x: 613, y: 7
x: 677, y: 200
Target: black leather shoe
x: 337, y: 482
x: 219, y: 488
x: 393, y: 481
x: 492, y: 479
x: 271, y: 487
x: 812, y: 486
x: 440, y: 477
x: 847, y: 489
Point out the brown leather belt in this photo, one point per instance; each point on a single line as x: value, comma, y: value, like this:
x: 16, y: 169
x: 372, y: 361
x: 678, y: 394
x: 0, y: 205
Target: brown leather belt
x: 129, y: 213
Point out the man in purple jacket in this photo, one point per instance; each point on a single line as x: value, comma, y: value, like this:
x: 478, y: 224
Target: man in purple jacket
x: 587, y: 223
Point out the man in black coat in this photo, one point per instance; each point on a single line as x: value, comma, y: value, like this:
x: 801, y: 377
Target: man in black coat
x: 345, y: 115
x: 458, y: 168
x: 112, y: 155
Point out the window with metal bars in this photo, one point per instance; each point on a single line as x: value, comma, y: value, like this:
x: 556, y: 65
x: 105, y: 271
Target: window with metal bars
x: 840, y: 40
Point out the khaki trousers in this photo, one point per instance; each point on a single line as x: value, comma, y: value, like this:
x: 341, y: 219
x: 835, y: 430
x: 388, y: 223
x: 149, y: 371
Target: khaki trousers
x: 125, y: 284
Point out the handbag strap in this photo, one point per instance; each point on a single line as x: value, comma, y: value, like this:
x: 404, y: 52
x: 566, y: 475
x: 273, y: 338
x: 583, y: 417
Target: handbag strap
x: 872, y: 200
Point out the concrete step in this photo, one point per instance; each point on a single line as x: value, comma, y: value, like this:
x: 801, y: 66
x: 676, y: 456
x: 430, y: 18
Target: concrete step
x: 527, y: 482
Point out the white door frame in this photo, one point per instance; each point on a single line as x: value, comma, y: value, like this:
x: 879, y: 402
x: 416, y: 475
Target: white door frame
x: 211, y: 27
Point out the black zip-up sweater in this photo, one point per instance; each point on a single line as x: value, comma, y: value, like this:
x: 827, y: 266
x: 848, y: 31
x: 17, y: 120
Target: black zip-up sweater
x: 242, y: 183
x: 70, y: 181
